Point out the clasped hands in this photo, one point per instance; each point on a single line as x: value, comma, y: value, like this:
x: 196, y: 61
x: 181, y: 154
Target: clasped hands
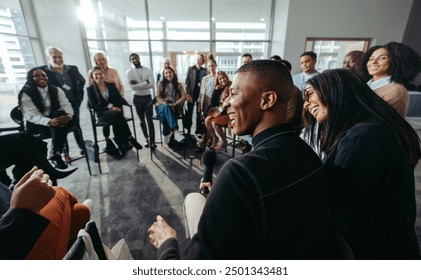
x: 61, y: 121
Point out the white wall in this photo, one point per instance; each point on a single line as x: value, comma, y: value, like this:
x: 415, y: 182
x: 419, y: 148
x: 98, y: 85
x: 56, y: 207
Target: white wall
x: 381, y: 20
x: 60, y: 26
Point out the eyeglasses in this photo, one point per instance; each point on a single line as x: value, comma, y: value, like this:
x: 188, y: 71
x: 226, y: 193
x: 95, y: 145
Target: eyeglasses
x: 39, y: 76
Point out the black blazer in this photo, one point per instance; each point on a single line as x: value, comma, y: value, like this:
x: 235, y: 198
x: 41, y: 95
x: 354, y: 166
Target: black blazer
x: 97, y: 101
x: 19, y: 231
x: 75, y: 93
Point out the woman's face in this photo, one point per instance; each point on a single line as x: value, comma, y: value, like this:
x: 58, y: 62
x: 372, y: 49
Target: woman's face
x: 101, y: 61
x: 168, y: 74
x: 348, y: 62
x: 211, y: 66
x: 313, y: 105
x: 98, y: 76
x: 222, y: 80
x: 40, y: 78
x: 378, y: 64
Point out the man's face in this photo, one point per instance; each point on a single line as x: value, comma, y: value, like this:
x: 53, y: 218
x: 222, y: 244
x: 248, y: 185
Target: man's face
x: 199, y: 60
x: 135, y: 60
x: 308, y: 64
x: 246, y: 59
x: 56, y: 59
x: 243, y: 104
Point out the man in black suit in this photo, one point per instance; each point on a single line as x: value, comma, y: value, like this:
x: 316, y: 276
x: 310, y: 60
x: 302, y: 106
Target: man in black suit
x: 68, y: 78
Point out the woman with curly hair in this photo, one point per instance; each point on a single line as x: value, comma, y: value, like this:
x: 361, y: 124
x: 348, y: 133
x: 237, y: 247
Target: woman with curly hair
x: 370, y: 155
x: 390, y: 68
x: 217, y: 116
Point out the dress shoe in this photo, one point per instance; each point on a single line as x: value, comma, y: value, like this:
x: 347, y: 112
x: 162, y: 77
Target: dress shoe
x: 109, y: 145
x: 58, y: 174
x: 58, y: 162
x: 135, y: 143
x: 153, y: 146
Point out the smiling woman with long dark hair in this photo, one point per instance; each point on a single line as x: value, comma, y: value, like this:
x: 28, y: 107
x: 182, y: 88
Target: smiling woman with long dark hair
x: 370, y: 155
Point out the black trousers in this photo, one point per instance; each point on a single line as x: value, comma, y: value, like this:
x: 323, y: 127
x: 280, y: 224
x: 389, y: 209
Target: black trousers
x: 121, y: 129
x: 144, y: 111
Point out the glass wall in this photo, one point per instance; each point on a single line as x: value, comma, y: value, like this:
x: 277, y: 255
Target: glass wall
x: 17, y: 43
x: 177, y: 30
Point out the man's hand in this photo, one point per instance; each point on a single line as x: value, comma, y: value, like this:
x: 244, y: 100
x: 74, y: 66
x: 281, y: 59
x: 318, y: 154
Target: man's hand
x: 205, y: 185
x: 133, y: 82
x: 160, y: 231
x: 33, y: 191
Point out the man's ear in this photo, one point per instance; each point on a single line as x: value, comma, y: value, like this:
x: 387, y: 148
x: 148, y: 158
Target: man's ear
x: 268, y: 100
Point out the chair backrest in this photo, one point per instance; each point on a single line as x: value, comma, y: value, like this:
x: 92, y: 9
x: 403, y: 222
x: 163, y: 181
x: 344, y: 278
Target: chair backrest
x: 17, y: 116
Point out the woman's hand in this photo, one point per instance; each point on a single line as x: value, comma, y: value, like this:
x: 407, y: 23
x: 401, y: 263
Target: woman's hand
x: 114, y: 108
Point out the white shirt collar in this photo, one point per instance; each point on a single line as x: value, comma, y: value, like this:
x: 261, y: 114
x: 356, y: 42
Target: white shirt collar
x: 379, y: 83
x: 43, y: 90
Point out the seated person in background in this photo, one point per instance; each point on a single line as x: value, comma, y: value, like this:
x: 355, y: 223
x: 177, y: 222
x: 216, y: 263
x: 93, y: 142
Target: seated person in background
x: 24, y: 150
x: 68, y: 78
x: 42, y: 221
x: 370, y: 153
x: 47, y: 111
x: 271, y: 203
x: 107, y: 103
x: 352, y: 61
x: 217, y: 116
x: 169, y: 104
x: 391, y: 67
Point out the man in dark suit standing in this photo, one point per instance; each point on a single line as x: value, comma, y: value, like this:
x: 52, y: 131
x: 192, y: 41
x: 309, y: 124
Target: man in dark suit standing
x: 68, y: 78
x: 195, y: 74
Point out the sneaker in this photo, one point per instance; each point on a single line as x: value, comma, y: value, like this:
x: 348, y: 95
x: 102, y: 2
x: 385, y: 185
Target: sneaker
x: 57, y: 162
x: 146, y: 144
x: 178, y: 136
x: 167, y: 139
x: 153, y: 146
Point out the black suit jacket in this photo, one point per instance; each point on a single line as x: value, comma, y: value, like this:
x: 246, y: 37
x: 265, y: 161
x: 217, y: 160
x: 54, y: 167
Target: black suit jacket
x: 19, y: 231
x: 98, y: 102
x: 77, y: 82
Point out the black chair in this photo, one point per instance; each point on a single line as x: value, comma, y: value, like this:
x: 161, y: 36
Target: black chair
x: 17, y: 117
x: 96, y: 123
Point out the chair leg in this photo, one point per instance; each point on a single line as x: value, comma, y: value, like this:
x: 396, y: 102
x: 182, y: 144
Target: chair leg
x: 85, y: 153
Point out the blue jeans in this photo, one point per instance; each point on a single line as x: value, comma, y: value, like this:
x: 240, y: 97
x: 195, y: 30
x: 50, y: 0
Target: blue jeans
x: 167, y: 117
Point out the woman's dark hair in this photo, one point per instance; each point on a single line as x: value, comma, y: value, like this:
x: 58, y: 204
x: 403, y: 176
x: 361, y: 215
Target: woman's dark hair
x: 351, y: 101
x: 30, y: 88
x: 405, y: 63
x: 95, y: 86
x: 174, y: 82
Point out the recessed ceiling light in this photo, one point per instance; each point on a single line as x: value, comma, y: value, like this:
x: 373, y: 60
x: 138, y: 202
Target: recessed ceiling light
x: 262, y: 19
x: 162, y: 18
x: 213, y: 19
